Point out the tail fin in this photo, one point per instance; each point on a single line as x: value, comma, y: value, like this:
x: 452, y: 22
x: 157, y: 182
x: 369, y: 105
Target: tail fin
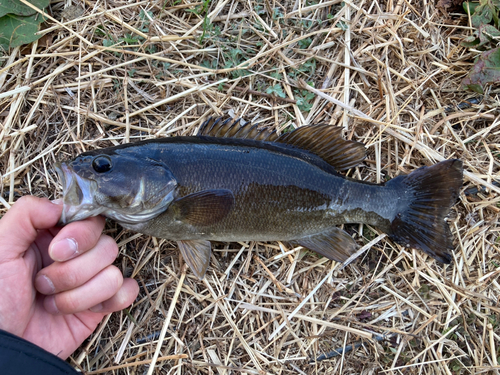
x: 433, y: 191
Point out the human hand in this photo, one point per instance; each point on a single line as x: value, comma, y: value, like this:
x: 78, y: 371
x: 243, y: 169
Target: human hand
x: 56, y: 284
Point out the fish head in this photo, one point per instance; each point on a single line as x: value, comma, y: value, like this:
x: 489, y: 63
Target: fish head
x: 127, y: 188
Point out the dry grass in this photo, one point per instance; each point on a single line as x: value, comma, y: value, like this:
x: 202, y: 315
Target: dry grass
x: 264, y: 307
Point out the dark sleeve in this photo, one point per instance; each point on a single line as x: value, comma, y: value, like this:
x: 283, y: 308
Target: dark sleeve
x: 21, y: 357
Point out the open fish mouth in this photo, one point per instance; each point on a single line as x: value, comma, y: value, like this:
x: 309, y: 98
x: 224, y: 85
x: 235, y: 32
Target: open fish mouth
x: 78, y: 197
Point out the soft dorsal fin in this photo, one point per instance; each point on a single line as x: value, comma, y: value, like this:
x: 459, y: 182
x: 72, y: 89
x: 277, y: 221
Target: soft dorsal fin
x: 232, y: 129
x: 326, y: 142
x: 322, y: 140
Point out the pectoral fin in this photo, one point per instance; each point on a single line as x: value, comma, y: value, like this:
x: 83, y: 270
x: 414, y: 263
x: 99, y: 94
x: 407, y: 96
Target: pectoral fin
x: 197, y: 255
x: 335, y: 244
x: 204, y: 207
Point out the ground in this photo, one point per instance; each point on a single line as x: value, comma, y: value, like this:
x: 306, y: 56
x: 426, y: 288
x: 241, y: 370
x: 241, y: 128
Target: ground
x: 106, y: 73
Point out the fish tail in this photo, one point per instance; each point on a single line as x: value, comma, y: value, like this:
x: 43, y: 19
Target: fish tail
x: 430, y: 193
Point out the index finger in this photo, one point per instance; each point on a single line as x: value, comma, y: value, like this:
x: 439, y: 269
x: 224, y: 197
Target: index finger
x: 76, y: 238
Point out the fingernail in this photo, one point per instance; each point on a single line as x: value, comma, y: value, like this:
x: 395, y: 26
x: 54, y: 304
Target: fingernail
x: 50, y: 305
x: 57, y: 201
x: 97, y: 308
x: 64, y: 250
x: 44, y: 285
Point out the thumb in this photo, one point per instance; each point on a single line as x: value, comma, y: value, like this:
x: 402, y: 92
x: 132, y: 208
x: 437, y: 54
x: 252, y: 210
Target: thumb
x: 19, y: 226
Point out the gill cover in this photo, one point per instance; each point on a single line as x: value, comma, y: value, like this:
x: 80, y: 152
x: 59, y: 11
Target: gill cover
x: 128, y: 189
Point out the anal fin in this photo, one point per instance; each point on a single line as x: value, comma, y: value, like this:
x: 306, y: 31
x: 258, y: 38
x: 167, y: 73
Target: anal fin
x: 335, y: 244
x: 197, y: 255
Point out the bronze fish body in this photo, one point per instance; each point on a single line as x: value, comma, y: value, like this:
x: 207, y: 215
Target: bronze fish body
x: 239, y: 183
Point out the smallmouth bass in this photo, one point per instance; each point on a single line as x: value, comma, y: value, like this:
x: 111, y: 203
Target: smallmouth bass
x: 241, y: 183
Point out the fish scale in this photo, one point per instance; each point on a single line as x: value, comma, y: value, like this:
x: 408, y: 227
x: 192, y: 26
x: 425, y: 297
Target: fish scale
x: 272, y: 199
x: 204, y: 188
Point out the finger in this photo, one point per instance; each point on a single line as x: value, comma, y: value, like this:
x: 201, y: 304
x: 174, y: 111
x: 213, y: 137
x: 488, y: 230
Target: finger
x: 100, y: 288
x: 59, y: 277
x: 18, y: 227
x: 76, y: 238
x: 122, y: 299
x: 42, y: 242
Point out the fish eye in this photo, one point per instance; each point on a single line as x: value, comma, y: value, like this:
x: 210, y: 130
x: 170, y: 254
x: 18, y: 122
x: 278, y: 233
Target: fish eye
x: 102, y: 164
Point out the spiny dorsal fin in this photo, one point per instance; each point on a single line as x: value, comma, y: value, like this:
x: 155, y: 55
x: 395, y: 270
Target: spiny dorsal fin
x: 232, y: 129
x: 326, y: 142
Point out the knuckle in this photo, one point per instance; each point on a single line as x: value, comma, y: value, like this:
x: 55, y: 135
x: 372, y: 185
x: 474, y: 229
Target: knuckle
x: 28, y: 200
x: 123, y: 297
x: 68, y: 303
x: 114, y: 277
x: 63, y: 278
x: 119, y: 301
x: 110, y: 247
x: 86, y: 233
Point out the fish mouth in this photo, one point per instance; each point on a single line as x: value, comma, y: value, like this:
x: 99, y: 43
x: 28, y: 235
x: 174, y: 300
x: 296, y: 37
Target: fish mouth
x: 78, y: 197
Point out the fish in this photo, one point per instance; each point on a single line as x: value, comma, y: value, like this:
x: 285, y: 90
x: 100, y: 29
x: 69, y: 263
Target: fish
x: 233, y: 182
